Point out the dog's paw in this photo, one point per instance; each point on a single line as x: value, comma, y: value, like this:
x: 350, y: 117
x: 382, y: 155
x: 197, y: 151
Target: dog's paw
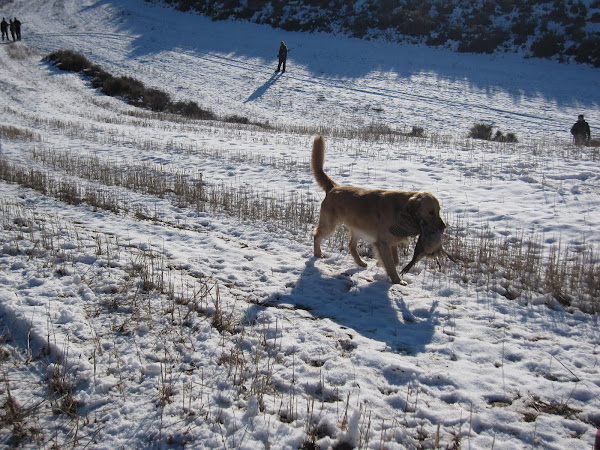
x: 399, y: 281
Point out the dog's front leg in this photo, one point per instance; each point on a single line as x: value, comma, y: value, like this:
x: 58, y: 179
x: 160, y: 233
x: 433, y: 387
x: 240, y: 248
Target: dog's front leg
x: 384, y: 251
x: 395, y: 255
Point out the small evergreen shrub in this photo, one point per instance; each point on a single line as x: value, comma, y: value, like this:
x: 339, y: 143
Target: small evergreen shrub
x: 588, y: 51
x: 485, y: 131
x: 98, y: 77
x: 125, y: 87
x: 69, y: 61
x: 192, y: 110
x: 417, y: 23
x: 237, y: 119
x: 156, y: 100
x: 508, y: 137
x: 481, y: 131
x: 548, y: 45
x: 486, y: 42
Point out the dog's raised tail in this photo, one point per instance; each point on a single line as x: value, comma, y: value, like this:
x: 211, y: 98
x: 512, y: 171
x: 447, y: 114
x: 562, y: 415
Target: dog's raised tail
x: 316, y: 165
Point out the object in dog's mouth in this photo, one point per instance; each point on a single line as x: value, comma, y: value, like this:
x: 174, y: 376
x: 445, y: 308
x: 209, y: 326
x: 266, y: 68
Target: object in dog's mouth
x: 429, y: 244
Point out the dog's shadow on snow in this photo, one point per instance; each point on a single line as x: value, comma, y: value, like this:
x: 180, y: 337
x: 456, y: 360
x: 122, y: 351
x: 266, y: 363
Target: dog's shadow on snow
x: 376, y: 310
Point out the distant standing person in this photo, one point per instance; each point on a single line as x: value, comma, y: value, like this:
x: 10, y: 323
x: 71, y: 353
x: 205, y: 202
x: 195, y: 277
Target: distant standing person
x: 4, y: 27
x: 581, y: 131
x: 17, y: 29
x: 11, y: 26
x: 282, y: 55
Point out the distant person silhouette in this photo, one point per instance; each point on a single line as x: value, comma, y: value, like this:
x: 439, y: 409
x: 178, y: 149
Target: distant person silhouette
x: 282, y: 55
x: 11, y: 26
x: 17, y: 29
x: 581, y: 131
x: 4, y: 28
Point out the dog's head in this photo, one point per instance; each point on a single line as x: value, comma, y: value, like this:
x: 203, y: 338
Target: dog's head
x: 425, y: 208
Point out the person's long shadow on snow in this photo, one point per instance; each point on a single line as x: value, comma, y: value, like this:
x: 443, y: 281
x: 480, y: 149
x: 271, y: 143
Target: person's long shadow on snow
x: 373, y: 311
x: 261, y: 90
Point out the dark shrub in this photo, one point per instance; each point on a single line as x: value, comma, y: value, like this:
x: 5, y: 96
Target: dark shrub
x: 417, y: 23
x: 359, y: 28
x: 93, y: 71
x: 588, y: 51
x: 484, y: 42
x: 192, y: 110
x: 156, y: 100
x: 184, y: 5
x: 293, y: 24
x: 69, y: 60
x: 481, y: 131
x: 436, y: 39
x: 417, y: 132
x: 576, y: 33
x: 594, y: 143
x: 126, y: 87
x: 237, y: 119
x: 548, y: 45
x: 522, y: 28
x: 478, y: 19
x: 455, y: 33
x: 485, y: 131
x: 509, y: 137
x: 99, y: 79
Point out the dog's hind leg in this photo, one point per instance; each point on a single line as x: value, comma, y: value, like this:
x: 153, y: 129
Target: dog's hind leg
x: 324, y: 229
x: 354, y: 251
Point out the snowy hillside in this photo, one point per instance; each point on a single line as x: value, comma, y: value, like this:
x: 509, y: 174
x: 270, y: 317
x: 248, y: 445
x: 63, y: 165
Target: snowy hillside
x: 564, y: 30
x: 331, y: 81
x: 157, y: 283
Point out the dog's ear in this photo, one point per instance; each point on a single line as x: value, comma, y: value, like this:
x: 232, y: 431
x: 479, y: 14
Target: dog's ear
x: 413, y: 204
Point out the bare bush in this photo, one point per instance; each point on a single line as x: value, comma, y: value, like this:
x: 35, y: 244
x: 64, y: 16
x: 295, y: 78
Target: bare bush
x: 485, y: 131
x: 69, y: 60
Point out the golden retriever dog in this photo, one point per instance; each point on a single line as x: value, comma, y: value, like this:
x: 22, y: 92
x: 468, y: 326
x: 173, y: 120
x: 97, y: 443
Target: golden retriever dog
x: 381, y: 217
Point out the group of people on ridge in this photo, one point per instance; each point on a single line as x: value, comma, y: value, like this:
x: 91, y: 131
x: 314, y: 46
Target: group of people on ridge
x: 14, y: 26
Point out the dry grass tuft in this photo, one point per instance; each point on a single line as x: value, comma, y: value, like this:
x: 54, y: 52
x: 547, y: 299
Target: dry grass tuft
x: 14, y: 133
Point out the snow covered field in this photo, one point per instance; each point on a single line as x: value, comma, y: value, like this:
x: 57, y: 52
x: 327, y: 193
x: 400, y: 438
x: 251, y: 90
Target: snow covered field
x: 165, y: 325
